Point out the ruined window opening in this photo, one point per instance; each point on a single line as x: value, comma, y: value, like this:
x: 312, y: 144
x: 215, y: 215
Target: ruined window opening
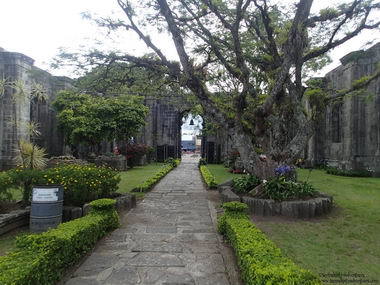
x: 336, y: 123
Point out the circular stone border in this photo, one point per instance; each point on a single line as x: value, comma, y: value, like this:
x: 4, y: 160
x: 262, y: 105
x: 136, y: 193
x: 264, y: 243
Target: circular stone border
x: 302, y: 209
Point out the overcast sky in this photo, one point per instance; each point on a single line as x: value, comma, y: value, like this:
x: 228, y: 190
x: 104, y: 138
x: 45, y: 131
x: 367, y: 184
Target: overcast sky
x: 38, y: 28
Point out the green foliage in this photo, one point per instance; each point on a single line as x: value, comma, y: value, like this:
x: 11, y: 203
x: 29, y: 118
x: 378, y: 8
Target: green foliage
x: 103, y: 205
x: 43, y: 258
x: 259, y: 259
x: 245, y: 183
x: 151, y: 181
x: 6, y: 183
x: 173, y: 162
x: 281, y: 189
x: 91, y: 119
x: 208, y: 178
x: 235, y: 207
x: 350, y: 173
x: 202, y: 161
x: 361, y: 82
x: 31, y: 155
x: 329, y: 12
x: 82, y: 183
x: 134, y: 152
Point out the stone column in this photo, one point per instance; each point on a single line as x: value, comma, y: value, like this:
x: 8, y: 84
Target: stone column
x: 14, y: 110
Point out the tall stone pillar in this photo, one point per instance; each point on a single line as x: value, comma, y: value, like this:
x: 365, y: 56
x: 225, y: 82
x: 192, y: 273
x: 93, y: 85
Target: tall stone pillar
x: 14, y: 105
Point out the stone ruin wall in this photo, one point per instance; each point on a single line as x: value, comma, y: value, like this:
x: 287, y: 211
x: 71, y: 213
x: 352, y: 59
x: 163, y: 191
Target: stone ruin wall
x: 356, y: 146
x: 162, y: 130
x: 18, y: 67
x: 349, y: 134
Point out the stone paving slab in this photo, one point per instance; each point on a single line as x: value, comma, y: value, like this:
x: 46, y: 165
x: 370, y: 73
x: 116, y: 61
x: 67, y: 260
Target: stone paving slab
x: 169, y: 238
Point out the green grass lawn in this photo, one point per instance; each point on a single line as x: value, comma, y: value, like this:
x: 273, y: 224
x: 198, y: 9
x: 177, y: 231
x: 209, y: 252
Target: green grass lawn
x: 133, y: 177
x: 7, y: 241
x: 220, y: 172
x: 347, y: 241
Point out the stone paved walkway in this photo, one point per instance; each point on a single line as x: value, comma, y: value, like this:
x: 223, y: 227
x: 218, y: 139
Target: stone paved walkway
x: 170, y: 238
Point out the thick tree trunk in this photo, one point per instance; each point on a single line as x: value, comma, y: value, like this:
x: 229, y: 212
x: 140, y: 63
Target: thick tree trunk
x: 263, y: 167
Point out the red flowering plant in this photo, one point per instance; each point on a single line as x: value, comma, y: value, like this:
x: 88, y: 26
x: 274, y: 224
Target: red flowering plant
x: 134, y: 152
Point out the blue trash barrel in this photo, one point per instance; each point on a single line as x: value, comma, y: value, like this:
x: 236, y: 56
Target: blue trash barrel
x: 46, y: 207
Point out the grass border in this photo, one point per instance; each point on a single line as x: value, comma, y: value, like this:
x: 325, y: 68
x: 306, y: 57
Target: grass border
x: 153, y: 180
x: 261, y: 262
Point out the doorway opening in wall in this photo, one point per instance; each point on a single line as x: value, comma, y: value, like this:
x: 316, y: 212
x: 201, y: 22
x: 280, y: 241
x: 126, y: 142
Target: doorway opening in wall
x: 191, y: 138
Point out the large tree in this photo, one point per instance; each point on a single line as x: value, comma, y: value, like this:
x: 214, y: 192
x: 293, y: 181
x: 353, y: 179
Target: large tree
x: 246, y: 61
x: 92, y: 119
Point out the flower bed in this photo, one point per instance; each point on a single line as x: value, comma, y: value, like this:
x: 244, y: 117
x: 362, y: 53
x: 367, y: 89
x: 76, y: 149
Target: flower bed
x: 82, y: 183
x: 259, y: 259
x: 281, y: 195
x: 42, y: 258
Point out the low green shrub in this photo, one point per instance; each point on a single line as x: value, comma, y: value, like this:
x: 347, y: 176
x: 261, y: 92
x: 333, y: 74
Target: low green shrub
x: 235, y: 207
x: 103, y: 205
x: 350, y: 173
x: 245, y: 183
x: 202, y: 161
x: 259, y: 259
x: 208, y: 178
x: 281, y: 189
x: 82, y: 183
x: 42, y: 258
x: 172, y: 161
x: 151, y: 181
x: 6, y: 183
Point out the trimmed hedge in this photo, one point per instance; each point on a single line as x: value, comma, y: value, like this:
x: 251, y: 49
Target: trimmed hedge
x: 208, y: 178
x: 151, y: 181
x: 259, y: 259
x: 42, y: 258
x: 349, y: 173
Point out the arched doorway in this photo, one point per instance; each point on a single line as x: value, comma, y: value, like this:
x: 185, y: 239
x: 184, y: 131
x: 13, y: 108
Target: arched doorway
x: 191, y: 140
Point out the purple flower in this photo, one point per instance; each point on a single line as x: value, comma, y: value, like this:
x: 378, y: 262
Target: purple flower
x: 283, y: 170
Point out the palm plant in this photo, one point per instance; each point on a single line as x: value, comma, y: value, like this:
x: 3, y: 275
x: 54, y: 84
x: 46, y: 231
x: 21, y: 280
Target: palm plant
x: 31, y: 156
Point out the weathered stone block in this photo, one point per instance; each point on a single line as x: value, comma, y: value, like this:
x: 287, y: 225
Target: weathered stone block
x: 228, y: 183
x: 295, y: 209
x: 228, y: 196
x: 125, y: 202
x: 86, y: 209
x: 13, y: 220
x: 71, y: 213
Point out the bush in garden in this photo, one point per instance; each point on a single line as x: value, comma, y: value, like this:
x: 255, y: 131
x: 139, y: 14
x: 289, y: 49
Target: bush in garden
x: 134, y: 152
x: 43, y: 258
x: 259, y: 259
x: 286, y: 171
x: 82, y: 183
x: 6, y: 183
x: 202, y: 161
x: 281, y: 189
x: 350, y: 173
x: 245, y: 183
